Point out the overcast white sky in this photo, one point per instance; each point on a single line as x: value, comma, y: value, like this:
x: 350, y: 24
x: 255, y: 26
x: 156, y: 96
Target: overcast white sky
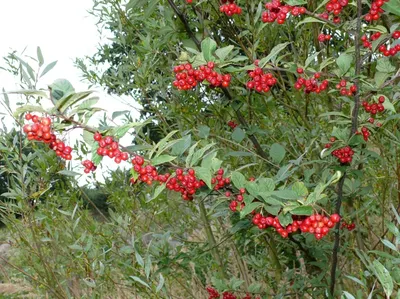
x: 63, y: 29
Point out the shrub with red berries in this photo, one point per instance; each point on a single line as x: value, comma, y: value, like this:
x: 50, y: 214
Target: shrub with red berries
x: 89, y: 166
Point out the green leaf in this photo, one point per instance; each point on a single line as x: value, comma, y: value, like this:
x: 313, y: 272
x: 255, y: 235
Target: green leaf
x: 27, y: 108
x: 272, y: 55
x: 309, y: 20
x: 250, y: 208
x: 393, y: 6
x: 344, y: 62
x: 222, y: 53
x: 70, y: 99
x: 277, y: 152
x: 240, y: 154
x: 69, y: 172
x: 139, y: 259
x: 238, y: 135
x: 303, y: 210
x: 389, y: 244
x: 200, y: 153
x: 204, y: 131
x: 273, y: 210
x: 388, y: 105
x: 159, y: 189
x: 39, y: 56
x: 347, y: 295
x: 238, y: 179
x: 285, y: 194
x: 181, y: 146
x: 139, y: 280
x: 300, y: 189
x: 385, y: 66
x: 380, y: 78
x: 160, y: 283
x: 285, y: 219
x: 208, y: 47
x: 266, y: 184
x: 48, y: 68
x: 204, y: 174
x: 384, y: 277
x: 61, y: 88
x: 162, y: 159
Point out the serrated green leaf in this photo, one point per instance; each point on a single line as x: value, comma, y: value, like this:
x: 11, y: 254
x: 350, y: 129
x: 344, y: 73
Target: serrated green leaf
x: 200, y: 153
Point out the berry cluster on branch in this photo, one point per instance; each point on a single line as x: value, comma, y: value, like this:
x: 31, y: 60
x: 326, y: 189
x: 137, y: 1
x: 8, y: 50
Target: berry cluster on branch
x: 276, y: 11
x: 312, y: 84
x: 110, y: 148
x: 188, y: 77
x: 316, y: 224
x: 41, y: 130
x: 230, y: 8
x: 260, y: 81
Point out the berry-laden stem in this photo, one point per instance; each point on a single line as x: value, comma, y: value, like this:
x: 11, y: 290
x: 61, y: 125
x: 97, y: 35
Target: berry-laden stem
x: 354, y: 125
x: 211, y: 239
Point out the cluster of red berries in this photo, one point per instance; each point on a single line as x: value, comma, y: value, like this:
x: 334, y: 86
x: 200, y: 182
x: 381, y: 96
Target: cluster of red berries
x: 324, y: 37
x: 40, y: 130
x: 276, y: 11
x: 331, y: 140
x: 316, y: 224
x: 344, y: 154
x: 232, y: 124
x: 310, y: 85
x: 365, y: 132
x: 219, y: 180
x: 386, y: 50
x: 335, y: 7
x: 230, y: 8
x: 344, y: 91
x: 367, y: 43
x: 185, y: 183
x: 147, y: 173
x: 375, y: 11
x: 187, y: 77
x: 260, y: 81
x: 349, y: 226
x: 213, y: 294
x: 238, y: 198
x: 374, y: 108
x: 89, y: 166
x: 109, y: 147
